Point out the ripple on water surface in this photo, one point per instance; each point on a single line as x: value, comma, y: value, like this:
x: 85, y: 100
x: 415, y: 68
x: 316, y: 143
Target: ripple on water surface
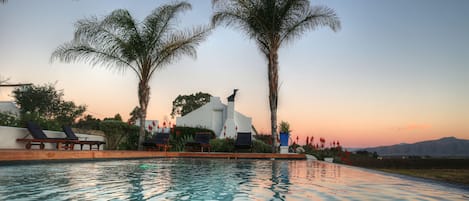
x: 212, y: 179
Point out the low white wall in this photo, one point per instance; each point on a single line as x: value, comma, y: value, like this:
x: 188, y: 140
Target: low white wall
x: 8, y: 136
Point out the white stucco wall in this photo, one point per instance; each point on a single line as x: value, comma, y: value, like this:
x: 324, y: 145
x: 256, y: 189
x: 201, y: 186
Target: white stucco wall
x: 203, y: 117
x: 213, y: 115
x: 8, y: 136
x: 244, y: 123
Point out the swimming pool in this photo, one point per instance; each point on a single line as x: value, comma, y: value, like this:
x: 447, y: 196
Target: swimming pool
x: 212, y: 179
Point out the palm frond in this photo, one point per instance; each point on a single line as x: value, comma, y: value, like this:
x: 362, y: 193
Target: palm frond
x: 160, y: 22
x: 310, y: 19
x: 273, y: 22
x: 75, y: 53
x: 112, y: 42
x: 178, y: 44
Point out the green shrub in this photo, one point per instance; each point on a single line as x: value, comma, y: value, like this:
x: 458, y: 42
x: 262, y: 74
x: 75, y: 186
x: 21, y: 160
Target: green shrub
x: 179, y: 144
x: 8, y: 120
x: 119, y: 135
x: 266, y: 138
x: 130, y: 141
x: 222, y: 145
x: 181, y: 135
x: 180, y: 131
x: 45, y: 124
x: 259, y: 146
x: 88, y: 122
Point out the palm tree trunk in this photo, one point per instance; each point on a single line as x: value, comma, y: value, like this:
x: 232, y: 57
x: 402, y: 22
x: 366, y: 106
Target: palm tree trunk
x: 273, y: 96
x: 143, y: 97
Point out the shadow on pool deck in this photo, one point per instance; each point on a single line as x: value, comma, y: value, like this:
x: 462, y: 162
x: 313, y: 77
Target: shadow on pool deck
x: 34, y: 155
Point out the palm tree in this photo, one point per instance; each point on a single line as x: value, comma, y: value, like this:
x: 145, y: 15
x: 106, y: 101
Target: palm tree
x: 272, y: 23
x: 119, y: 42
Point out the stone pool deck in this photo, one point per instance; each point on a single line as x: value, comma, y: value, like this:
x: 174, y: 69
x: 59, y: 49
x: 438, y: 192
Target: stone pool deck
x: 35, y: 155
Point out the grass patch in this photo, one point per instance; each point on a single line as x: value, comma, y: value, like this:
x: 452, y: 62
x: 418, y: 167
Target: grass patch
x: 458, y: 176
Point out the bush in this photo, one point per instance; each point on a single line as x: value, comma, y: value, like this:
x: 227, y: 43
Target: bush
x: 45, y: 124
x: 8, y: 120
x: 222, y: 145
x: 130, y: 141
x: 181, y: 135
x: 88, y: 122
x: 179, y: 143
x: 120, y: 135
x: 259, y: 146
x: 180, y: 131
x: 267, y: 139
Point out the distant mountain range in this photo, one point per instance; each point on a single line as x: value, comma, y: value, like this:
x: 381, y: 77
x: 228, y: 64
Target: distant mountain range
x: 444, y: 147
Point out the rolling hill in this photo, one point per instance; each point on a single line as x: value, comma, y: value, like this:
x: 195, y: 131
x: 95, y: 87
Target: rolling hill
x: 444, y: 147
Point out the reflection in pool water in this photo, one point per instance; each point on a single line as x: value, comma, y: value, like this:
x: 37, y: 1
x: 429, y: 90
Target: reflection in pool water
x: 212, y: 179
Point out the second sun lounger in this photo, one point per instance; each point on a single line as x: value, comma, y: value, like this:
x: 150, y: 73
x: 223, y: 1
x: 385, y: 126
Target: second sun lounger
x: 71, y: 135
x: 201, y: 140
x: 158, y: 141
x: 243, y: 141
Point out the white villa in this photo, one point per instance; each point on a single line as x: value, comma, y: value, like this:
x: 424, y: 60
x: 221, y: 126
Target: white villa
x: 218, y: 117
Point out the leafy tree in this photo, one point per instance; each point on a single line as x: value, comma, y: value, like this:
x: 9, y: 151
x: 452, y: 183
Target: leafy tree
x: 45, y: 105
x: 116, y: 117
x: 273, y: 23
x: 183, y: 104
x: 88, y: 122
x: 120, y: 42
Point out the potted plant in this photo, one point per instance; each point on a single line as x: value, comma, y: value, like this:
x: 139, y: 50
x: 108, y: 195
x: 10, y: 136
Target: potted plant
x: 284, y: 133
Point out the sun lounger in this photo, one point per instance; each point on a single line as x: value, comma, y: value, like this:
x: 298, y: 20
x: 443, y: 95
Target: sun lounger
x: 243, y: 141
x: 71, y: 135
x: 204, y: 140
x: 158, y: 141
x: 201, y: 140
x: 39, y: 138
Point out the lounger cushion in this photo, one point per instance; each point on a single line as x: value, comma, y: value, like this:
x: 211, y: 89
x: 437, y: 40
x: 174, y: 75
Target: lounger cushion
x: 36, y: 131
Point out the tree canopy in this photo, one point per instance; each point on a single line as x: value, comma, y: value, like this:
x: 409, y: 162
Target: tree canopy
x: 43, y: 103
x: 183, y: 104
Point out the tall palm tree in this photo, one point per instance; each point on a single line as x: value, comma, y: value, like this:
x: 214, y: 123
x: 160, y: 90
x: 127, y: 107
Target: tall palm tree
x: 272, y: 23
x: 119, y: 42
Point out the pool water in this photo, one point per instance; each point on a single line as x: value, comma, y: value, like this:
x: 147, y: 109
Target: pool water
x: 212, y: 179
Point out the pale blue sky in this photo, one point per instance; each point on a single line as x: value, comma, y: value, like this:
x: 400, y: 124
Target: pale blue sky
x: 397, y: 68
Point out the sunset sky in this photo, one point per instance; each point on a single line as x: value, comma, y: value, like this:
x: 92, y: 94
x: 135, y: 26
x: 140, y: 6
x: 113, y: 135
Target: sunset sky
x: 397, y: 71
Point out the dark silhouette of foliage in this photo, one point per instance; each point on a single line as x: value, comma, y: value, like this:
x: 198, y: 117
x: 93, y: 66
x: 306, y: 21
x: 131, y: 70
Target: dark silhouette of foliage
x: 134, y: 115
x: 88, y: 122
x: 45, y: 105
x: 184, y: 104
